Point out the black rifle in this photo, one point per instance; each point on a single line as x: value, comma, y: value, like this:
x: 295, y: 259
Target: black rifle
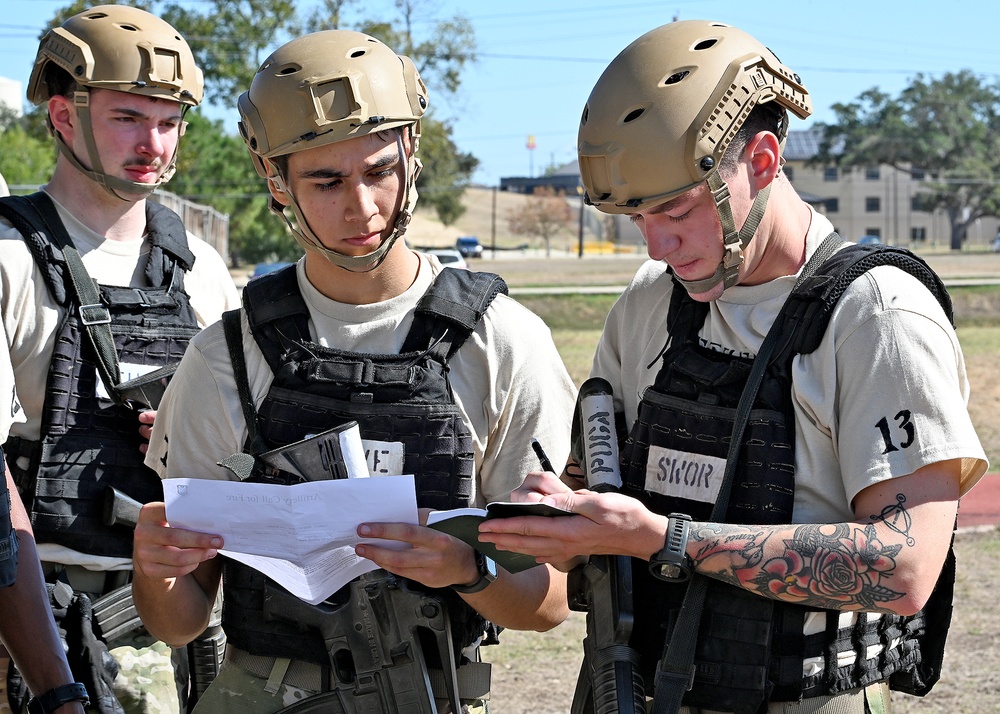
x: 115, y: 613
x: 378, y: 642
x: 609, y: 680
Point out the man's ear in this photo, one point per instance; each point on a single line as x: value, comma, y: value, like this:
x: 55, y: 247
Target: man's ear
x: 764, y: 153
x: 276, y: 185
x: 62, y: 116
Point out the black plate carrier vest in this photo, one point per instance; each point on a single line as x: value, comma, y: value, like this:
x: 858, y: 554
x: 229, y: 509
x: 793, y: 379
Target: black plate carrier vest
x: 403, y: 397
x: 751, y: 649
x: 87, y: 442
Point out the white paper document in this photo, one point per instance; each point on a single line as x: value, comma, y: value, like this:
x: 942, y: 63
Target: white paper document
x: 301, y: 536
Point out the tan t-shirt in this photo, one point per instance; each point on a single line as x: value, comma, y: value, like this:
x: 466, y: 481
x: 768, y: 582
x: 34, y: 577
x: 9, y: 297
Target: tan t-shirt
x: 889, y: 357
x: 31, y: 316
x: 10, y: 407
x: 508, y: 381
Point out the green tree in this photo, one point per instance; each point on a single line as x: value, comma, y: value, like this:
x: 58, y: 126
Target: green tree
x: 446, y: 173
x: 948, y: 128
x: 25, y: 157
x: 230, y: 39
x: 441, y: 55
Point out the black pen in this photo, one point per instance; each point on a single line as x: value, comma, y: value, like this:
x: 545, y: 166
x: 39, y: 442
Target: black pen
x: 542, y: 458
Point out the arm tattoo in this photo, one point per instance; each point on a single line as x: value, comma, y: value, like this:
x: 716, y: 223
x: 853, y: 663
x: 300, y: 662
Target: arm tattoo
x: 833, y: 566
x: 897, y: 518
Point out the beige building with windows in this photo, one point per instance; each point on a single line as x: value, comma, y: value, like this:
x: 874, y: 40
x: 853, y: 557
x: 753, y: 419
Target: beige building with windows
x: 878, y: 201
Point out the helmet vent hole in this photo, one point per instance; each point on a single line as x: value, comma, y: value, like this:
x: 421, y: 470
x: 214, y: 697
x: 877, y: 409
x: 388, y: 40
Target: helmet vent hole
x: 358, y: 53
x: 289, y: 69
x: 130, y: 28
x: 633, y: 115
x: 706, y: 44
x: 676, y: 77
x: 586, y: 114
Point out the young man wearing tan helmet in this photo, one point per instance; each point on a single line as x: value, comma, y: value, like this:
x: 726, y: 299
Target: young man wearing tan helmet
x: 788, y: 494
x: 101, y: 284
x: 447, y: 377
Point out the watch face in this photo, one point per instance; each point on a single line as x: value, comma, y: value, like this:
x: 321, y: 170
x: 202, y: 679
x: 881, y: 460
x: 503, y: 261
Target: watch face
x: 670, y: 572
x: 489, y: 569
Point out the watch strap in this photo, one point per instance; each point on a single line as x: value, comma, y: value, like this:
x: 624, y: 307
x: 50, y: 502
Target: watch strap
x: 674, y: 551
x: 486, y: 577
x: 56, y: 697
x: 678, y: 529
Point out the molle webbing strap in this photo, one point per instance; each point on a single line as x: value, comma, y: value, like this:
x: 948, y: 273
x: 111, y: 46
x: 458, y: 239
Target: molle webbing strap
x: 168, y: 246
x: 36, y: 219
x: 96, y: 320
x: 277, y: 314
x: 455, y: 303
x: 233, y: 329
x: 808, y: 310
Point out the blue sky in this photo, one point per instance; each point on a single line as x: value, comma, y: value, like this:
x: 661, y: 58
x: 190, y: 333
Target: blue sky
x: 539, y: 60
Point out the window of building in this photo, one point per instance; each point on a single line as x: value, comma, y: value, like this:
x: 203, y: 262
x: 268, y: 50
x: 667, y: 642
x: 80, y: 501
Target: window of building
x: 877, y: 232
x: 789, y: 173
x: 917, y: 174
x: 872, y: 173
x: 917, y: 204
x: 832, y: 205
x: 918, y: 235
x: 830, y: 173
x: 873, y: 204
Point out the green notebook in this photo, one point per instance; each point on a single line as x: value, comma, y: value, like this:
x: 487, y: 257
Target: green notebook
x: 463, y: 523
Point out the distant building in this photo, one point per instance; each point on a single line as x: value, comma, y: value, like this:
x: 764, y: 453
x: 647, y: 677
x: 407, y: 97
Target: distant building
x: 879, y: 201
x: 11, y: 95
x: 876, y: 200
x: 565, y: 179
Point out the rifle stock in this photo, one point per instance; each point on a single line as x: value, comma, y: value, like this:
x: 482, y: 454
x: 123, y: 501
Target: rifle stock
x: 374, y: 643
x: 610, y: 664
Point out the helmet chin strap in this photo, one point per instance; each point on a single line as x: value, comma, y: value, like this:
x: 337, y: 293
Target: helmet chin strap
x: 111, y: 184
x: 728, y: 272
x: 308, y: 239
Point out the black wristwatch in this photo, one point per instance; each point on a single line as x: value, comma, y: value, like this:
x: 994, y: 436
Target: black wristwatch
x: 672, y: 562
x: 487, y: 574
x: 55, y: 698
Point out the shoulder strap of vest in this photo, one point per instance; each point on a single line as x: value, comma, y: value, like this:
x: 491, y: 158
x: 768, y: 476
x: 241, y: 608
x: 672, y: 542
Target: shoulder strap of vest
x: 233, y: 330
x: 450, y: 310
x: 36, y: 219
x: 685, y: 316
x: 809, y: 307
x: 277, y: 313
x: 168, y: 244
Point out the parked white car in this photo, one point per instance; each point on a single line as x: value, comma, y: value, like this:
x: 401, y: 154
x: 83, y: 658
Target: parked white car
x: 449, y: 258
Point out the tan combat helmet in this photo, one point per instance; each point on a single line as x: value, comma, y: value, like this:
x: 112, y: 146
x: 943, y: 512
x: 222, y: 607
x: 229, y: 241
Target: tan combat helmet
x: 323, y: 88
x: 123, y: 49
x: 662, y: 115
